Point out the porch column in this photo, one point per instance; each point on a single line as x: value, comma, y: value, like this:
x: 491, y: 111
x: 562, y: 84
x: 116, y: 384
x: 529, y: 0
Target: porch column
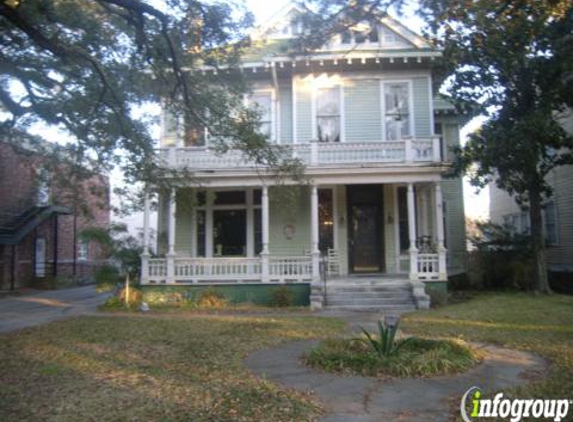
x: 412, y: 233
x: 442, y: 266
x: 145, y: 255
x: 171, y: 237
x: 314, y: 251
x: 265, y: 234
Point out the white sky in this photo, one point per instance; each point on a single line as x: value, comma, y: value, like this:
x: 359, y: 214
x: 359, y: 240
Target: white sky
x: 476, y: 205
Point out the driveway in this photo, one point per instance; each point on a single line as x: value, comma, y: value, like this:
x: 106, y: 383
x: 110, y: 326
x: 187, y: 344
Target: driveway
x: 38, y: 308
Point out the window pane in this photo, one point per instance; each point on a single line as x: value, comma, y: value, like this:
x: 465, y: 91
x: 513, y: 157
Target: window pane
x: 230, y: 198
x: 328, y: 102
x: 262, y: 103
x: 257, y: 195
x: 328, y: 114
x: 396, y: 103
x: 326, y: 220
x: 230, y: 232
x: 201, y: 233
x: 403, y: 219
x: 328, y: 129
x: 373, y: 36
x: 258, y: 228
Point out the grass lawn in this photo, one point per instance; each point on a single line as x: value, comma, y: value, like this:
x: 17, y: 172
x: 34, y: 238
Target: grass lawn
x: 161, y: 367
x: 538, y: 324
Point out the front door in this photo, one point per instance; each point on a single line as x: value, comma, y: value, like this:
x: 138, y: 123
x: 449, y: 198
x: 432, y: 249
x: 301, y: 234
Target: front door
x: 365, y: 210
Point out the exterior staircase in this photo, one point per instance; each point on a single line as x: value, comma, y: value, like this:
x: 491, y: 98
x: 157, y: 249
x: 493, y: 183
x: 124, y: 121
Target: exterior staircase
x: 377, y: 293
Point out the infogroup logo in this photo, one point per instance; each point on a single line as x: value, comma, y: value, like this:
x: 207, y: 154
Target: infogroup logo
x: 512, y: 409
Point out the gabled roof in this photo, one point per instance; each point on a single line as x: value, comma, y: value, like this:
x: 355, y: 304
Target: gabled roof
x: 266, y: 45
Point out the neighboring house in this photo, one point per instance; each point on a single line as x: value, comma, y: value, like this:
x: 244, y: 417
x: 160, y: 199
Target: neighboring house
x: 39, y: 232
x: 364, y: 116
x: 557, y: 214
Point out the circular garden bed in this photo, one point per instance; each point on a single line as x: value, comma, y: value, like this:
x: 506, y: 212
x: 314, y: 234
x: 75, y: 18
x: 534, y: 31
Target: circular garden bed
x: 417, y: 357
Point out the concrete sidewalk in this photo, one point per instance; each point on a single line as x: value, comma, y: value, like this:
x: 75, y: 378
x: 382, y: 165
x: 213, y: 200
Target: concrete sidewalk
x: 40, y: 307
x: 360, y: 399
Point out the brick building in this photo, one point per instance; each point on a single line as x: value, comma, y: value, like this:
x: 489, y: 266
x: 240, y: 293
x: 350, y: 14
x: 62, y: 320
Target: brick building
x: 40, y: 244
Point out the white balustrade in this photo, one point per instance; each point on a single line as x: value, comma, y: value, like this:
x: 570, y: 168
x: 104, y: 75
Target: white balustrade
x: 231, y: 270
x: 428, y: 266
x: 311, y: 154
x: 157, y: 269
x: 290, y: 268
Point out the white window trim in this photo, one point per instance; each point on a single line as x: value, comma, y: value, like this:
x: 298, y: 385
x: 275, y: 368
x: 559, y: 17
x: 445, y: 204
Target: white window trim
x: 412, y: 117
x: 249, y: 206
x: 555, y: 219
x: 81, y: 245
x: 246, y: 99
x: 314, y: 92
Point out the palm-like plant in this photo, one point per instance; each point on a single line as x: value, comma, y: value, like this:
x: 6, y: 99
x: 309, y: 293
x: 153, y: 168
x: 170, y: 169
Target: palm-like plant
x: 385, y: 344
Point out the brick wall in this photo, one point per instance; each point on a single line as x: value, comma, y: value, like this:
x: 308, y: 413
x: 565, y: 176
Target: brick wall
x: 18, y: 190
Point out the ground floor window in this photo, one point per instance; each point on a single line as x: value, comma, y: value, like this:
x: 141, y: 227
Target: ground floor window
x: 230, y: 233
x: 325, y: 220
x: 222, y: 223
x: 404, y: 236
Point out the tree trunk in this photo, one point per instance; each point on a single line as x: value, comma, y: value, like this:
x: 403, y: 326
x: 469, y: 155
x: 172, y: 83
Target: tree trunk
x: 538, y: 243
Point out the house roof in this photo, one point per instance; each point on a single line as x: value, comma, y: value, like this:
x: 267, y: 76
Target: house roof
x: 270, y: 44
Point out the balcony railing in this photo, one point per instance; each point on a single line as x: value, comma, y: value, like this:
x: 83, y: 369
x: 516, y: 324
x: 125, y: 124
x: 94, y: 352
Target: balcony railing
x: 313, y: 154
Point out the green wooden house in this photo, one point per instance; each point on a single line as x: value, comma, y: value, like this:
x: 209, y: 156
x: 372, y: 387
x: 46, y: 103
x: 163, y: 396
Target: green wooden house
x: 378, y: 226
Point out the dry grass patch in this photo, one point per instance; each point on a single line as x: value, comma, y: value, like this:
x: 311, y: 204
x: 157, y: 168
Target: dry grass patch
x: 150, y: 368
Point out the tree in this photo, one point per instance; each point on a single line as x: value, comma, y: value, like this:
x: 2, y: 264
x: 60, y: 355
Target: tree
x: 88, y: 67
x: 514, y: 60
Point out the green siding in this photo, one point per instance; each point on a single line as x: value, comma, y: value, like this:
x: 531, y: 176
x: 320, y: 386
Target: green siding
x: 362, y: 109
x: 183, y: 227
x: 342, y: 227
x: 244, y: 293
x: 289, y: 206
x: 285, y: 99
x: 421, y: 107
x: 303, y: 110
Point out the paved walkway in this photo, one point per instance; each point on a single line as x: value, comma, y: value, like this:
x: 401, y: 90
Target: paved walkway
x: 38, y: 308
x: 359, y: 399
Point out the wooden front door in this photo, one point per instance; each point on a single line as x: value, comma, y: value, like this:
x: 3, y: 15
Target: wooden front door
x: 365, y: 236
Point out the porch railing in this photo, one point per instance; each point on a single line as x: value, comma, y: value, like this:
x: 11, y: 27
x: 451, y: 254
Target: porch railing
x: 229, y: 270
x: 290, y: 268
x: 428, y: 266
x: 408, y: 150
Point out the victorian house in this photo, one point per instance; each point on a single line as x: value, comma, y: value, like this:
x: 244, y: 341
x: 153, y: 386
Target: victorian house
x: 378, y: 226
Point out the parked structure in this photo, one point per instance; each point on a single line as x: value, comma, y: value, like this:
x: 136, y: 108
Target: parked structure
x: 39, y: 243
x: 363, y: 115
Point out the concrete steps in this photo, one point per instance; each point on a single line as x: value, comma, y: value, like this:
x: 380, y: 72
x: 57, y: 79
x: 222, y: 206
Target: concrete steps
x: 371, y: 294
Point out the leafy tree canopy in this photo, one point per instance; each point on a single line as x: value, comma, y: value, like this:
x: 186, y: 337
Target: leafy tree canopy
x: 87, y: 67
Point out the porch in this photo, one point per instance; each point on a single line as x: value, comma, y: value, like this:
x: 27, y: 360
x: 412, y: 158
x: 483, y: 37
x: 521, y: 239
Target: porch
x: 258, y: 235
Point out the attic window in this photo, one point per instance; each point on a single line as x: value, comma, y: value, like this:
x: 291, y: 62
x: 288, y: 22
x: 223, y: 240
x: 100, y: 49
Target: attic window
x: 361, y: 34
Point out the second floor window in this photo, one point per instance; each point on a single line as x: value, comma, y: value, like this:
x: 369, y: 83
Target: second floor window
x: 43, y: 188
x: 262, y: 102
x: 397, y: 111
x: 83, y: 250
x: 328, y: 114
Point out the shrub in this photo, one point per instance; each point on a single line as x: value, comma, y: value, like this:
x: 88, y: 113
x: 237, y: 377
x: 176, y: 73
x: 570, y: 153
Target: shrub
x: 211, y: 298
x: 417, y: 358
x: 437, y: 297
x: 106, y: 278
x: 500, y: 259
x: 281, y: 297
x: 385, y: 345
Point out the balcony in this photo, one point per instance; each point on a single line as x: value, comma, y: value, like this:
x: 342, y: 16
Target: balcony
x: 313, y: 154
